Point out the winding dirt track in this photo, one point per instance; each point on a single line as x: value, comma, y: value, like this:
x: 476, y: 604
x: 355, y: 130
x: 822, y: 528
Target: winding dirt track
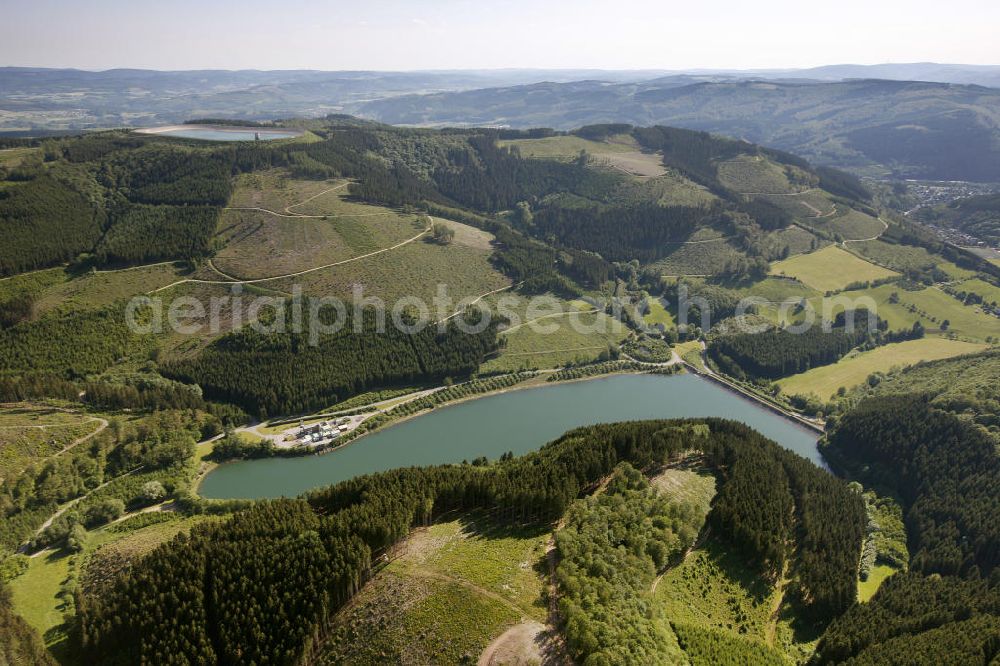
x: 885, y: 227
x: 289, y: 213
x: 303, y: 272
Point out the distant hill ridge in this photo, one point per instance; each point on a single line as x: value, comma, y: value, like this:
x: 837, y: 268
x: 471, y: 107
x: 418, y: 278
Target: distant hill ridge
x: 905, y: 128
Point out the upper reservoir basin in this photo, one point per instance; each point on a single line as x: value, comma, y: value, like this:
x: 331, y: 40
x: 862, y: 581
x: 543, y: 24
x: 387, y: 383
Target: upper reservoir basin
x: 221, y: 133
x: 518, y: 421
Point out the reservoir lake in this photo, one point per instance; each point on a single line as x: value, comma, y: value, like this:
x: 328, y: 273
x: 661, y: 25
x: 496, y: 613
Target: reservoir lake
x: 519, y: 421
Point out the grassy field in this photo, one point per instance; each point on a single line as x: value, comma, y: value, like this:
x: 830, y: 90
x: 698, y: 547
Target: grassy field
x: 12, y: 157
x: 687, y: 481
x: 34, y: 283
x: 754, y: 175
x: 658, y: 314
x: 775, y: 289
x: 830, y: 269
x: 552, y: 338
x: 868, y: 588
x: 452, y: 588
x: 782, y: 295
x: 691, y: 352
x: 100, y: 288
x: 931, y: 307
x: 896, y: 257
x: 850, y: 224
x: 416, y: 269
x: 258, y: 245
x: 275, y: 190
x: 989, y: 292
x: 620, y: 153
x: 713, y: 588
x: 855, y: 368
x: 797, y: 239
x: 55, y: 289
x: 565, y: 147
x: 36, y: 596
x: 805, y: 205
x: 39, y: 594
x: 907, y: 257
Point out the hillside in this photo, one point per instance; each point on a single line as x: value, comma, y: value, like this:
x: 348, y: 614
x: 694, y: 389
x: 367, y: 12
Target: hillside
x: 909, y: 129
x: 976, y: 216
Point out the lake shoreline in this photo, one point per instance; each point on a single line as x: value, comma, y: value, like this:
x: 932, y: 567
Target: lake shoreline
x: 629, y: 396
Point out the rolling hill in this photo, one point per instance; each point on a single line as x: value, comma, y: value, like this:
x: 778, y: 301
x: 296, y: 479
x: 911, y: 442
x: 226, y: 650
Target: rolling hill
x: 912, y: 129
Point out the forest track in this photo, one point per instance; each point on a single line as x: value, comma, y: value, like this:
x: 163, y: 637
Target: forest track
x: 885, y: 228
x: 69, y: 505
x: 695, y: 545
x: 420, y: 572
x: 479, y: 298
x: 549, y: 316
x: 772, y: 623
x: 81, y: 440
x: 302, y: 272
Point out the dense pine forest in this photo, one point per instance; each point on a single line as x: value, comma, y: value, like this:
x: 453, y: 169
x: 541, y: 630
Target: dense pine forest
x: 286, y: 373
x: 944, y: 469
x: 947, y: 607
x: 779, y: 353
x: 141, y: 233
x: 45, y: 222
x: 72, y: 346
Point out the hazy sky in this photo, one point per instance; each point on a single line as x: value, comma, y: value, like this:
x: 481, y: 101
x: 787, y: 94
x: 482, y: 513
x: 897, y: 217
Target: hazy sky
x: 458, y: 34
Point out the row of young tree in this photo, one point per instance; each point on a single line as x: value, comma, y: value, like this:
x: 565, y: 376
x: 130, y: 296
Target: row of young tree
x: 285, y: 373
x: 261, y: 586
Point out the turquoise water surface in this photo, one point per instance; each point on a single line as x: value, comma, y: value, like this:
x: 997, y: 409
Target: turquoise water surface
x: 518, y: 421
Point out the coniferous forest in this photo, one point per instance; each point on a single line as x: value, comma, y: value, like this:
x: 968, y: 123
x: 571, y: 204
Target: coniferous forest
x: 286, y: 374
x: 779, y: 353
